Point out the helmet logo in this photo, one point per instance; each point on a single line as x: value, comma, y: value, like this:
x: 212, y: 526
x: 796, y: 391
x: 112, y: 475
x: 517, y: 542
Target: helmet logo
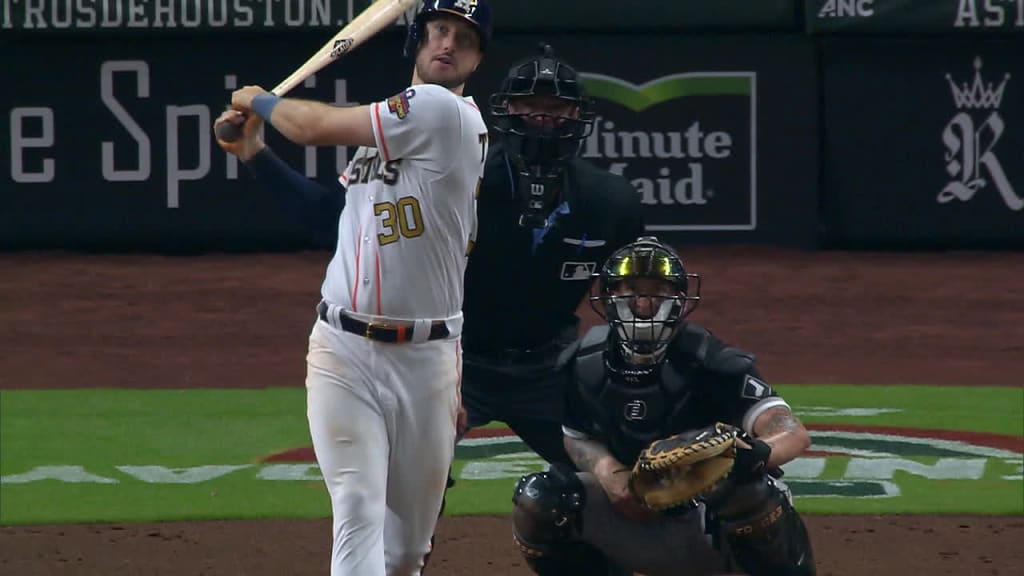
x: 465, y: 5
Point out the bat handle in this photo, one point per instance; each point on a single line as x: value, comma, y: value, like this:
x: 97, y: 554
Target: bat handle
x: 229, y: 131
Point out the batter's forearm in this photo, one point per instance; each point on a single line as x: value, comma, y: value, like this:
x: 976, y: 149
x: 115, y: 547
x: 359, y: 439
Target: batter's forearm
x: 317, y: 124
x: 297, y: 120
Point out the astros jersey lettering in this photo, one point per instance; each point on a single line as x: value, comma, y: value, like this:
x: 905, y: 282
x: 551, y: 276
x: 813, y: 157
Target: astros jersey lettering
x: 410, y: 208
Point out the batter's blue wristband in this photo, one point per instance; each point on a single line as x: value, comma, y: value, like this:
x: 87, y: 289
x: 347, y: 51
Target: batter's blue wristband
x: 263, y: 105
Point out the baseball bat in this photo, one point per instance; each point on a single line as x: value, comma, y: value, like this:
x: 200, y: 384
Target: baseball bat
x: 376, y: 17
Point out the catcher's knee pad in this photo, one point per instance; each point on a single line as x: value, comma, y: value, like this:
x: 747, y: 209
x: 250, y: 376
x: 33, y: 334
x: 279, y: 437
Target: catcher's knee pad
x: 548, y: 510
x: 765, y: 534
x: 547, y: 521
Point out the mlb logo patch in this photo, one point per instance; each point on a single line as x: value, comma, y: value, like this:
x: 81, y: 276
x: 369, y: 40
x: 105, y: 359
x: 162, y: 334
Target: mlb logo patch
x: 578, y: 270
x: 399, y: 103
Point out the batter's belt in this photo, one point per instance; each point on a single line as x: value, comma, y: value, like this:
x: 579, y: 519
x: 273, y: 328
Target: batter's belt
x: 381, y: 332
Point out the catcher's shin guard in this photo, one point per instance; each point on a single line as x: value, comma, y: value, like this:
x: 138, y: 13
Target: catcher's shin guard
x: 765, y: 534
x: 547, y: 521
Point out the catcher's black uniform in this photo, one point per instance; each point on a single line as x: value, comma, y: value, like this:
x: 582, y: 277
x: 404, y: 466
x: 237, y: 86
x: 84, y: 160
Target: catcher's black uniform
x: 565, y: 523
x: 703, y: 381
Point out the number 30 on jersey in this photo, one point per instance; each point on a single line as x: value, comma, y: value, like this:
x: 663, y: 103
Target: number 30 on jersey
x: 402, y: 218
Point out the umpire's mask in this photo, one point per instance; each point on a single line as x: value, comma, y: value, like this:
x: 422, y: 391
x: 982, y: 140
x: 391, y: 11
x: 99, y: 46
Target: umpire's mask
x: 645, y: 293
x: 543, y: 116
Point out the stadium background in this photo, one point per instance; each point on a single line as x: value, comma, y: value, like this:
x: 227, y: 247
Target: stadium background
x: 848, y: 174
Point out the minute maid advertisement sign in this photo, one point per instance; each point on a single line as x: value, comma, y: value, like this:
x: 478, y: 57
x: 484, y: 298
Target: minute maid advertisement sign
x: 686, y: 141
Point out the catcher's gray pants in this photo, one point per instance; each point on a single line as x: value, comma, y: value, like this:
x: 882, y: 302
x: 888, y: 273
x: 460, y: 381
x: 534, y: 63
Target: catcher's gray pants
x: 664, y: 545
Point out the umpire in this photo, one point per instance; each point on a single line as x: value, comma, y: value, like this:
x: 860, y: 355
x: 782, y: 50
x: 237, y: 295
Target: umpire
x: 546, y: 220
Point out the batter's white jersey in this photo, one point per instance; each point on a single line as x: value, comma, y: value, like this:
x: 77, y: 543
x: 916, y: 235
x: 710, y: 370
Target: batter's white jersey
x: 410, y: 208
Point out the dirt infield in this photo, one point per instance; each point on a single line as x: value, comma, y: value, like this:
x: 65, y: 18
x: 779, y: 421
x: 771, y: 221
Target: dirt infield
x: 69, y: 321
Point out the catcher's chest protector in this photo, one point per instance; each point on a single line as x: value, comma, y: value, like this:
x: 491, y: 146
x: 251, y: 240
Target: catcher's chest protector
x: 631, y: 410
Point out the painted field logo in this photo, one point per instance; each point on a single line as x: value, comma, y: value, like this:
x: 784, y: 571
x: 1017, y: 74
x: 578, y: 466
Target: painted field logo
x: 845, y: 461
x: 868, y: 460
x: 685, y: 141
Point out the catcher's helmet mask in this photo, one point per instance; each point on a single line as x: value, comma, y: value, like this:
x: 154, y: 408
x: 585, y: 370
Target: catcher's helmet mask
x: 477, y: 12
x: 645, y: 293
x: 539, y: 144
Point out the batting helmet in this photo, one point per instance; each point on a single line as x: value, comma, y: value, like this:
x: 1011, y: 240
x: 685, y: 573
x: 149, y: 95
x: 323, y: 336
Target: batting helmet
x: 477, y: 12
x: 645, y: 293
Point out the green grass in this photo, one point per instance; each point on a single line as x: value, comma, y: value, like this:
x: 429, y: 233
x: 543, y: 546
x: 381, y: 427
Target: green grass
x: 171, y: 427
x: 103, y: 432
x: 929, y: 497
x: 980, y: 409
x: 102, y: 429
x: 239, y: 496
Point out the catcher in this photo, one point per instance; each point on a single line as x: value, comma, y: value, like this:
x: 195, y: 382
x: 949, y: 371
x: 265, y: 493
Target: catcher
x: 678, y: 440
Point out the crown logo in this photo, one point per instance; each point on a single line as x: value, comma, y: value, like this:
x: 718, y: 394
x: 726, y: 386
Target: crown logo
x: 978, y: 94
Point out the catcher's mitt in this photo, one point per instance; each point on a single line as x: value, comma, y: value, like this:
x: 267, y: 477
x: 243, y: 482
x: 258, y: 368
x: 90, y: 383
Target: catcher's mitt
x: 673, y: 471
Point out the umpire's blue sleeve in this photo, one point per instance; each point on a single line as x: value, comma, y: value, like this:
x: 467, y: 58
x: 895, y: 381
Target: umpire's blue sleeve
x: 308, y: 203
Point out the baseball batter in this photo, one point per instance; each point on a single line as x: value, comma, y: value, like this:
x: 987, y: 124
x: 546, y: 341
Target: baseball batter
x: 384, y: 363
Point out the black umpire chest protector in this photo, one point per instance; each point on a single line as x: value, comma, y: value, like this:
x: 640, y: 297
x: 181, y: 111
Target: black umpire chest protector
x: 547, y: 276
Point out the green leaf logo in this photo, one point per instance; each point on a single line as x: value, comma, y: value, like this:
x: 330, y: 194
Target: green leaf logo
x: 640, y: 97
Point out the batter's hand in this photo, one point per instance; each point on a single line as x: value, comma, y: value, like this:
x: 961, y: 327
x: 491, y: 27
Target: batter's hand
x: 241, y: 99
x: 250, y: 143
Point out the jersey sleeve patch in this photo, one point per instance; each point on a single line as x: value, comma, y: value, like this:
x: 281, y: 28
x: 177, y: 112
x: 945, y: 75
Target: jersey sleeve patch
x: 425, y: 125
x: 755, y: 389
x: 398, y: 105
